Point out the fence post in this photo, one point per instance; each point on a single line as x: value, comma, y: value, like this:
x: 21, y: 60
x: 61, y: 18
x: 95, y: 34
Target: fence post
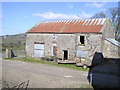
x: 8, y: 53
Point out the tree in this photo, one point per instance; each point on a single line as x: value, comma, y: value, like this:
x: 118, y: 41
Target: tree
x: 99, y: 15
x: 112, y: 13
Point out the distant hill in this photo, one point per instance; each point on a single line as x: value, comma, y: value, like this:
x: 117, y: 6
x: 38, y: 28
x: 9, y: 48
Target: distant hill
x: 16, y: 41
x: 15, y: 36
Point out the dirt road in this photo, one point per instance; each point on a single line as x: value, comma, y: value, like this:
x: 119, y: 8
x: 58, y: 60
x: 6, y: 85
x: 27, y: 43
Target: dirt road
x: 42, y: 75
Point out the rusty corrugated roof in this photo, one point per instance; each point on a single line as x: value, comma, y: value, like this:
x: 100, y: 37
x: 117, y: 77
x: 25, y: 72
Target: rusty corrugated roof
x: 69, y: 26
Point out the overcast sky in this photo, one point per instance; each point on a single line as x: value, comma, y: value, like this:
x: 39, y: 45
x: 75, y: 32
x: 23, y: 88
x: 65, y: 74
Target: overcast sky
x: 19, y: 17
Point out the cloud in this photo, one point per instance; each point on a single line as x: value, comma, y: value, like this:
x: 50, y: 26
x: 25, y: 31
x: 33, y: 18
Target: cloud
x: 85, y: 15
x: 60, y: 16
x: 70, y: 6
x: 55, y: 16
x: 96, y: 5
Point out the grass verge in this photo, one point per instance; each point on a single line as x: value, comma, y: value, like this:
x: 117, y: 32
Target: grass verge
x: 87, y: 86
x: 33, y: 60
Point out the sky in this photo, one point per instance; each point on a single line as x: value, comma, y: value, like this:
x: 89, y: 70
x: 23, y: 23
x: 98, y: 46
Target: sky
x: 19, y: 17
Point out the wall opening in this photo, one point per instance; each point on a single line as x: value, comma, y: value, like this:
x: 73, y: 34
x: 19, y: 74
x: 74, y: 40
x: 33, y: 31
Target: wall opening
x: 82, y: 39
x: 65, y: 54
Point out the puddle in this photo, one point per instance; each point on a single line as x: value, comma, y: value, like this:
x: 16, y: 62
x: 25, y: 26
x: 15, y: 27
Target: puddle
x: 68, y: 76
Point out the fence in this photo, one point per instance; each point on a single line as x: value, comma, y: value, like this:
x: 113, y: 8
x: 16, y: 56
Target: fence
x: 13, y: 53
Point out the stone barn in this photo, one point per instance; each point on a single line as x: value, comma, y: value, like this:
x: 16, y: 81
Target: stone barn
x: 68, y: 39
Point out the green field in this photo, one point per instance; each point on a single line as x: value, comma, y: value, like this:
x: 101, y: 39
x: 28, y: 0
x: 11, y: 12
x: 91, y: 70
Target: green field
x: 14, y: 42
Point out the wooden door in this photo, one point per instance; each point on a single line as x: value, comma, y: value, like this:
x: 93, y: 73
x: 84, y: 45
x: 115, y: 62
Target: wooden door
x: 54, y: 50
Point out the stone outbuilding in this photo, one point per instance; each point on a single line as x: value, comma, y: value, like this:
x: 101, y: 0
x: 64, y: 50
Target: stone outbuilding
x: 68, y: 39
x: 111, y: 48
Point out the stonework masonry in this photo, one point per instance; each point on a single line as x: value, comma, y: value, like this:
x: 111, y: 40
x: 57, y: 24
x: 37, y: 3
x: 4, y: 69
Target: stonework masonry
x: 111, y: 50
x: 70, y: 42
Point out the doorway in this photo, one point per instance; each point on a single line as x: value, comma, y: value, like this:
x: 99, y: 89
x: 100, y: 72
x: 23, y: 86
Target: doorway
x: 65, y: 54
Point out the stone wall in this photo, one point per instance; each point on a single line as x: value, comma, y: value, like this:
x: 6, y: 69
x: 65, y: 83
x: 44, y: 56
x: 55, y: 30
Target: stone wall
x: 94, y: 44
x: 66, y: 42
x: 107, y: 30
x: 70, y: 42
x: 111, y: 50
x: 63, y: 42
x: 42, y: 38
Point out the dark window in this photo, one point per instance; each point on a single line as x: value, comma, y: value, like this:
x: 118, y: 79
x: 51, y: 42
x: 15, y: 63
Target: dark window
x: 82, y: 39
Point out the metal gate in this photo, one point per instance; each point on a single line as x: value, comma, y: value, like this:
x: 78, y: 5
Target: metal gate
x: 38, y: 49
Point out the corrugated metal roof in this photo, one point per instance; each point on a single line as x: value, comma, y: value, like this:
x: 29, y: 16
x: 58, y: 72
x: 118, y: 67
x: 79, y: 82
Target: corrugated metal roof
x: 113, y: 41
x: 69, y: 26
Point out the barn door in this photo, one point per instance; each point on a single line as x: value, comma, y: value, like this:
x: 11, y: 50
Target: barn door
x: 38, y: 49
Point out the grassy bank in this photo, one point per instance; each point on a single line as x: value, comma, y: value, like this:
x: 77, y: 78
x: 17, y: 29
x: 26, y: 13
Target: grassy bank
x: 18, y: 47
x: 32, y: 60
